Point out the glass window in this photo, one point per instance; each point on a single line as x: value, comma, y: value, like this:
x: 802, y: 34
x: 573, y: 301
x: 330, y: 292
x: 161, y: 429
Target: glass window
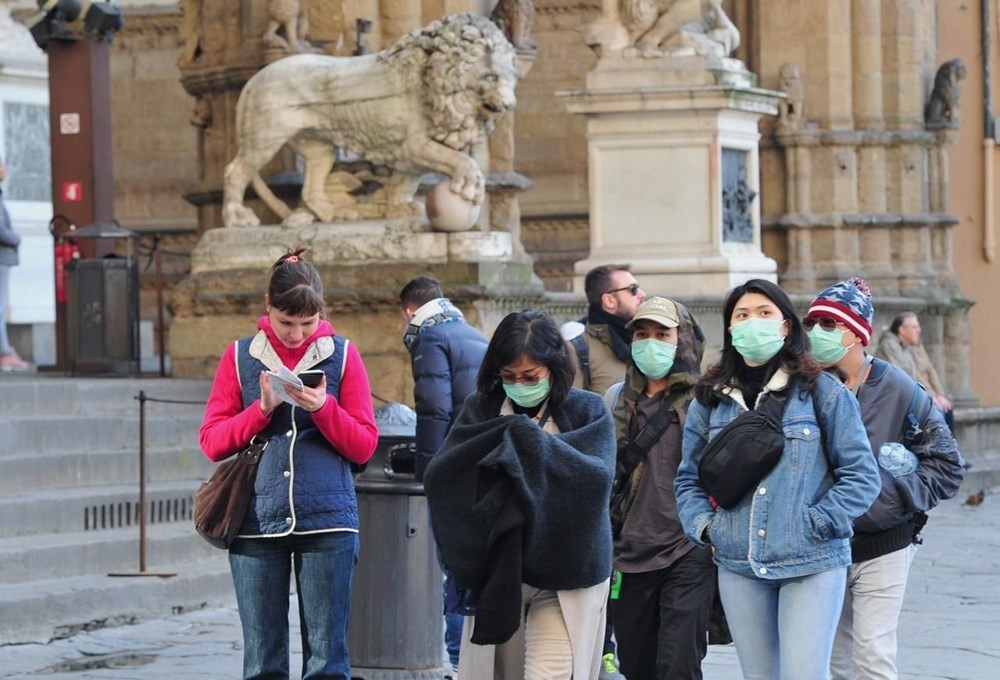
x: 27, y: 157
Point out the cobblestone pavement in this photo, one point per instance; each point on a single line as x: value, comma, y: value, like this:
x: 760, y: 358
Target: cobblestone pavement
x: 948, y: 629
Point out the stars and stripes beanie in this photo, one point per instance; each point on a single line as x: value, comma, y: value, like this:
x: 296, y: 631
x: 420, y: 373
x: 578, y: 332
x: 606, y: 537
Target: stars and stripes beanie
x: 849, y: 302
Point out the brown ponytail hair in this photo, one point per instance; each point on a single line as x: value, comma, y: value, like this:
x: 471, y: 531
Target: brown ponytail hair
x: 294, y: 286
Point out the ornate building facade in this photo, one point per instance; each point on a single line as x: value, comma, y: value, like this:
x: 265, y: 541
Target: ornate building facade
x: 856, y: 177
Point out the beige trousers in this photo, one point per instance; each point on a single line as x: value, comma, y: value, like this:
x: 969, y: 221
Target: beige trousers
x: 561, y: 638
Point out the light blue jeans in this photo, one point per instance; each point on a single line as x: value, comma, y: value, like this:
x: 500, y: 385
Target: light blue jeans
x: 784, y: 628
x: 4, y: 292
x: 324, y: 566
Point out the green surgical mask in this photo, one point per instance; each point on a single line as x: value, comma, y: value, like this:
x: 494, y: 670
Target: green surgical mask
x: 757, y: 340
x: 528, y: 395
x: 827, y: 346
x: 653, y: 357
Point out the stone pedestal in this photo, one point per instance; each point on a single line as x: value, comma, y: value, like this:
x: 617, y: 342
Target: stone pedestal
x: 674, y: 173
x: 363, y: 265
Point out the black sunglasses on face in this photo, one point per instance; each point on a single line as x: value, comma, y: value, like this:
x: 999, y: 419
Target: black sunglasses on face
x: 824, y: 322
x: 633, y: 289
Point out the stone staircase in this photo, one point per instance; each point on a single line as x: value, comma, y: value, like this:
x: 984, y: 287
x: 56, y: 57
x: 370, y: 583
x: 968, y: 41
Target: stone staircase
x: 69, y: 505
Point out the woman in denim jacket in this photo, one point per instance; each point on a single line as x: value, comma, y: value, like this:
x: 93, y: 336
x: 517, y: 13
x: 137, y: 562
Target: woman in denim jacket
x: 783, y: 550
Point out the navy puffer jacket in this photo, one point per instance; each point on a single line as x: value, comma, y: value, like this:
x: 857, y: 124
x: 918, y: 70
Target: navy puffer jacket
x: 446, y: 360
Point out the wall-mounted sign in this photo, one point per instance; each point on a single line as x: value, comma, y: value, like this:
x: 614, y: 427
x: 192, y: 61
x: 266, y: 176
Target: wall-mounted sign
x: 72, y: 192
x: 69, y: 123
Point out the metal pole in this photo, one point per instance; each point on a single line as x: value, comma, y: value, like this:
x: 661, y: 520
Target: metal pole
x: 158, y: 262
x: 142, y: 498
x: 142, y: 482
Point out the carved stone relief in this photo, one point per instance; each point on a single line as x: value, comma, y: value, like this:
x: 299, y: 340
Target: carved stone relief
x: 659, y: 28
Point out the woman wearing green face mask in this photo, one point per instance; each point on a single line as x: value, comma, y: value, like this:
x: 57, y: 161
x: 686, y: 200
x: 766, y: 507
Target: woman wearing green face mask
x: 666, y: 582
x: 783, y: 550
x: 519, y: 496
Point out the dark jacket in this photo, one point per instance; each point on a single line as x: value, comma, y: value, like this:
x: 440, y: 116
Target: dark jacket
x: 644, y: 481
x: 445, y: 359
x: 9, y: 240
x: 512, y: 504
x: 887, y: 526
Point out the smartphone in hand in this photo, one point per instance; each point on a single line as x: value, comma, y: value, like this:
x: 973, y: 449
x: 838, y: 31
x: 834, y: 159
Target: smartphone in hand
x: 311, y: 378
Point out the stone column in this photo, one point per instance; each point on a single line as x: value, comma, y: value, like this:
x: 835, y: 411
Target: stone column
x: 868, y: 179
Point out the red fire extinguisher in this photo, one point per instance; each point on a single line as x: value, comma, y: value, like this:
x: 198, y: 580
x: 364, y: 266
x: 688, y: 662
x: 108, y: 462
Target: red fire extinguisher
x: 66, y: 250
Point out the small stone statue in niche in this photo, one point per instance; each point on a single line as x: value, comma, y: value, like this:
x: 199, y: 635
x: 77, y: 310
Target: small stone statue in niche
x: 941, y: 111
x: 515, y: 18
x: 287, y: 27
x: 791, y: 114
x: 363, y: 27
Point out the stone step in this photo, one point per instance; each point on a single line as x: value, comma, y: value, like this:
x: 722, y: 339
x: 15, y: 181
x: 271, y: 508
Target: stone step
x: 61, y: 433
x: 41, y: 610
x: 59, y: 470
x: 982, y: 475
x: 94, y: 508
x: 82, y: 553
x: 38, y: 394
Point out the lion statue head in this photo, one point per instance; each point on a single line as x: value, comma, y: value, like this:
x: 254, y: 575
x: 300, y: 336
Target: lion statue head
x: 468, y: 69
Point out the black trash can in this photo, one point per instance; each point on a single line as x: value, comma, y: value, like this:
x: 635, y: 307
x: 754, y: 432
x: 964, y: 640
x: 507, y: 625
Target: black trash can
x: 102, y: 310
x: 397, y: 630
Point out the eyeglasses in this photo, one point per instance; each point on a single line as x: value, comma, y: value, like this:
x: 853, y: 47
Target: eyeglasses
x: 825, y: 322
x: 633, y: 289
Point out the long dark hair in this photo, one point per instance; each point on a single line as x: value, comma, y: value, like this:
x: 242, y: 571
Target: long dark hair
x: 533, y: 334
x: 294, y: 286
x: 793, y: 357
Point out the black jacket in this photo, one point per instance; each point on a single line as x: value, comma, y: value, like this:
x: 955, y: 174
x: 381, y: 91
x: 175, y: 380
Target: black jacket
x: 512, y: 504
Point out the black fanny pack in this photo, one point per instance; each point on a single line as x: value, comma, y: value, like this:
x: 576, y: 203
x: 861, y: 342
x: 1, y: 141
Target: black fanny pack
x: 744, y: 452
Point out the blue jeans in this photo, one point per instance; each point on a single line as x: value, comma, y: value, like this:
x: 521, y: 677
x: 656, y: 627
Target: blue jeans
x: 453, y: 636
x: 783, y: 629
x: 324, y: 566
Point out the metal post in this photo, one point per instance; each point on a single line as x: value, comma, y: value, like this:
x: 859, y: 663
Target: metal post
x: 158, y: 264
x: 142, y: 481
x: 142, y: 497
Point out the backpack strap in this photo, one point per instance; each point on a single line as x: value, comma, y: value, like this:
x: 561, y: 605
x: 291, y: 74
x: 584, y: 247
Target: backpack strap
x: 916, y: 415
x: 651, y: 432
x: 583, y: 354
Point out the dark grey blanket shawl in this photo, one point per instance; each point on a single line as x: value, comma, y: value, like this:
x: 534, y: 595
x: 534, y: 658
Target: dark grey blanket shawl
x: 512, y: 504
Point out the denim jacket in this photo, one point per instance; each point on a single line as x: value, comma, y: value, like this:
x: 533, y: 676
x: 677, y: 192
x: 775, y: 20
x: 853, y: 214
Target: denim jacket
x: 798, y: 519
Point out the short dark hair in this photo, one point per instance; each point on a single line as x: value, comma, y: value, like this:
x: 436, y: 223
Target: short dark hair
x: 899, y: 320
x: 793, y: 356
x: 533, y: 334
x: 420, y: 291
x: 596, y: 283
x: 294, y: 286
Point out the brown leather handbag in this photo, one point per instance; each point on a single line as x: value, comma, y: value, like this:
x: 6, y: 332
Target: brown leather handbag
x: 221, y: 503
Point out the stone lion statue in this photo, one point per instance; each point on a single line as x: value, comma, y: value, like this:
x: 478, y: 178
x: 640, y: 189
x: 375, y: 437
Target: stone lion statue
x: 941, y: 110
x: 416, y: 107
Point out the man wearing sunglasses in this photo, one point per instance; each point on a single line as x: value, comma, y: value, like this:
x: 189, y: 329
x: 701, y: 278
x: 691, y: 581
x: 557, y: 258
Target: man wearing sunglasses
x: 920, y: 466
x: 602, y: 350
